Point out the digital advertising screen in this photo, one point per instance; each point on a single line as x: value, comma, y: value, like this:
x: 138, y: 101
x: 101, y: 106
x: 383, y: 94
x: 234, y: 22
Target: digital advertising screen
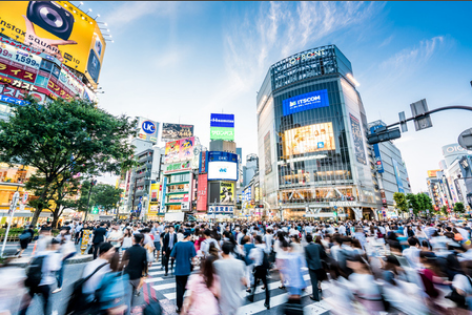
x: 218, y: 170
x: 222, y: 120
x: 312, y: 138
x: 304, y: 102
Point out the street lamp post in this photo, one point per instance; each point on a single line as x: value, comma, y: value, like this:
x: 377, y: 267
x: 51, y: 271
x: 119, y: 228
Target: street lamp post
x: 92, y: 184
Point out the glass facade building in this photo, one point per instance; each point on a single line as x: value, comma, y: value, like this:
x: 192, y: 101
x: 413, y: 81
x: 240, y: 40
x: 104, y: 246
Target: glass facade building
x: 312, y: 138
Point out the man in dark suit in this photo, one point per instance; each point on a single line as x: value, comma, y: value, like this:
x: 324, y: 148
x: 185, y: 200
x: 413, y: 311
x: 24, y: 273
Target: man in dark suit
x: 169, y: 240
x: 135, y: 261
x: 99, y: 238
x: 314, y: 253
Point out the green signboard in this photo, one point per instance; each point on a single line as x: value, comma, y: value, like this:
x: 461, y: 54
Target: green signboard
x: 222, y: 133
x: 95, y: 210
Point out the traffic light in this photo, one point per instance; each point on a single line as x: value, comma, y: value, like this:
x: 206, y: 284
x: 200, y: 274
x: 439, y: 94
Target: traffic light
x: 383, y: 134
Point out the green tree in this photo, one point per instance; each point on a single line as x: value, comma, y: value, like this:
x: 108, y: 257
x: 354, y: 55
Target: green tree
x: 443, y: 210
x: 102, y: 195
x: 401, y: 201
x: 59, y: 195
x: 424, y: 201
x: 459, y: 207
x: 413, y: 203
x: 63, y: 138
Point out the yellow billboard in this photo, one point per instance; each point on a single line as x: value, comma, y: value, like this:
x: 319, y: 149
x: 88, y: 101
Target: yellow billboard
x: 59, y: 29
x: 432, y: 173
x: 312, y: 138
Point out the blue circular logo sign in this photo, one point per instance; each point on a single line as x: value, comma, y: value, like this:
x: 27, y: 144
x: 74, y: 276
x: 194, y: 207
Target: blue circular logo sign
x: 148, y: 127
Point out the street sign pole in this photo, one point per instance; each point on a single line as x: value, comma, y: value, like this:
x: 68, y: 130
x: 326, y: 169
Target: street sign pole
x: 16, y: 197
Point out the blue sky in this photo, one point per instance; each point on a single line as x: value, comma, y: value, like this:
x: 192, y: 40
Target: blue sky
x: 179, y: 61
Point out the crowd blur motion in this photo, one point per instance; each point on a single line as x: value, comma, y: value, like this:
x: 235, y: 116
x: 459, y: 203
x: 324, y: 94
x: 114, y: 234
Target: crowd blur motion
x: 354, y: 267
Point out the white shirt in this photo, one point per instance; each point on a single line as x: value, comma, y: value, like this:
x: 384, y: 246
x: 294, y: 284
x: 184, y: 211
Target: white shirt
x: 256, y: 254
x: 412, y: 256
x: 461, y: 282
x: 93, y: 283
x: 51, y: 263
x: 114, y: 237
x: 342, y: 230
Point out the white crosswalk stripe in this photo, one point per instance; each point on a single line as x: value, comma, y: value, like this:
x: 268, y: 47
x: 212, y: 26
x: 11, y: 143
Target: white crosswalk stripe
x: 165, y: 288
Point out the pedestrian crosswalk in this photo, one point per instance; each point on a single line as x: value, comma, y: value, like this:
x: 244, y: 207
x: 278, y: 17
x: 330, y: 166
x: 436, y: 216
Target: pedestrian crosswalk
x: 165, y: 291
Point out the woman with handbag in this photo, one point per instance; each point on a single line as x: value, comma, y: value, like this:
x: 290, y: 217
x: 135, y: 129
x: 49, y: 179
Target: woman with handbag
x: 204, y: 289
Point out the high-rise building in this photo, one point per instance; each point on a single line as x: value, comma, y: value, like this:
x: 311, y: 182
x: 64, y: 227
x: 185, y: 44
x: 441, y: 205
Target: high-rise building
x: 250, y: 168
x: 456, y: 175
x: 312, y: 138
x: 44, y: 72
x: 391, y: 172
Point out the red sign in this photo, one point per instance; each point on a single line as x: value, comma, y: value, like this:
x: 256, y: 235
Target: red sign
x: 16, y: 72
x: 202, y: 193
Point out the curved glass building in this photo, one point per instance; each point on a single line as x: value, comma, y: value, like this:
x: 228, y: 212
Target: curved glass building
x: 312, y: 139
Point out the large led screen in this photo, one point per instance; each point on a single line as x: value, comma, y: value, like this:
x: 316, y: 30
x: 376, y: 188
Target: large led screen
x: 312, y: 138
x: 305, y: 101
x: 222, y: 171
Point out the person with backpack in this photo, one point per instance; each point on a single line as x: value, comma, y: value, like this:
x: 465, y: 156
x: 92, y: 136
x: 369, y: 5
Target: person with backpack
x: 83, y: 299
x: 261, y: 263
x: 41, y: 276
x: 25, y: 238
x: 247, y: 247
x: 314, y: 254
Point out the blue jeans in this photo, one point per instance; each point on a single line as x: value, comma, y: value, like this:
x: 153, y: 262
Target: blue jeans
x: 60, y: 273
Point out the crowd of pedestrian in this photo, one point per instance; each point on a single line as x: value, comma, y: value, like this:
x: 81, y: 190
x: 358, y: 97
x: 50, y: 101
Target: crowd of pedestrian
x: 405, y: 267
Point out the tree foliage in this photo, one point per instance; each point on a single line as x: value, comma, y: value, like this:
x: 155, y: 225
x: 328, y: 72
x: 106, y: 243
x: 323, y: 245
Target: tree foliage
x: 459, y: 207
x: 401, y: 201
x: 104, y: 196
x: 63, y: 138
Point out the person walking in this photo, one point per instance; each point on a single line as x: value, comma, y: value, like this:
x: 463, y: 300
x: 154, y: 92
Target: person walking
x: 127, y: 239
x: 169, y: 240
x: 231, y: 272
x: 157, y: 239
x: 183, y: 252
x: 261, y: 262
x: 25, y: 238
x: 77, y: 230
x: 115, y: 237
x: 99, y: 238
x: 204, y: 290
x: 314, y: 254
x: 41, y: 276
x: 135, y: 262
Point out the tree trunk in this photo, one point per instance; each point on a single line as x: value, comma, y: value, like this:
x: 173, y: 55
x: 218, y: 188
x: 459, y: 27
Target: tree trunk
x: 55, y: 219
x: 40, y: 205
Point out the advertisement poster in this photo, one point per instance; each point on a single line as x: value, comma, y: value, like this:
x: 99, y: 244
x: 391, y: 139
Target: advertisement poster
x: 171, y: 152
x: 226, y: 192
x: 222, y: 171
x: 397, y: 173
x: 202, y: 193
x: 203, y: 162
x: 186, y: 151
x: 78, y: 40
x: 312, y: 138
x: 148, y: 129
x: 172, y: 132
x: 304, y: 102
x: 357, y: 134
x: 267, y: 153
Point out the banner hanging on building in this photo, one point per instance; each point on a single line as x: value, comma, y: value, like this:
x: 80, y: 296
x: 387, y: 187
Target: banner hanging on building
x: 357, y: 135
x: 226, y: 192
x: 202, y: 193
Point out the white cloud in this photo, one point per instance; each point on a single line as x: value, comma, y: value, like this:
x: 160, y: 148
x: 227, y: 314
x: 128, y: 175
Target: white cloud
x: 386, y: 41
x: 131, y: 11
x: 411, y: 58
x: 274, y: 31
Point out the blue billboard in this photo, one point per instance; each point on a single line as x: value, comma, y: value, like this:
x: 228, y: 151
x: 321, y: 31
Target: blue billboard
x: 377, y: 153
x: 222, y: 120
x: 304, y: 102
x: 397, y: 174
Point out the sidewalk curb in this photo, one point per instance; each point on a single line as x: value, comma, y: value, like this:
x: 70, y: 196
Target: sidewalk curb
x: 79, y: 259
